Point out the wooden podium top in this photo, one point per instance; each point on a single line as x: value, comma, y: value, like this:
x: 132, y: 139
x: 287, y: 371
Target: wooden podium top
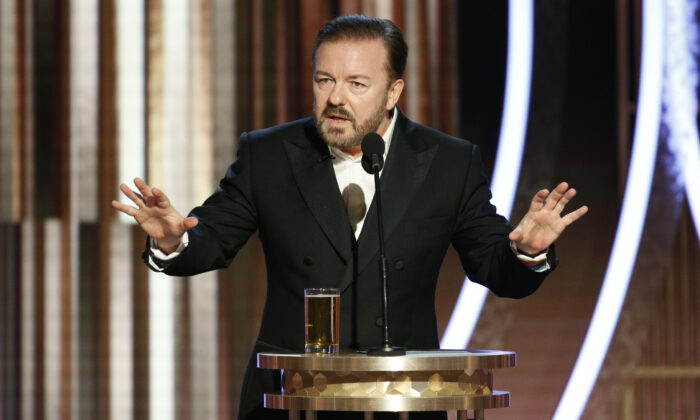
x: 414, y: 360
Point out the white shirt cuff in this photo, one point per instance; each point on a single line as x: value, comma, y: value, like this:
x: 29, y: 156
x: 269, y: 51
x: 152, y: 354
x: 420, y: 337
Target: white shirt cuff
x: 156, y: 254
x: 538, y: 263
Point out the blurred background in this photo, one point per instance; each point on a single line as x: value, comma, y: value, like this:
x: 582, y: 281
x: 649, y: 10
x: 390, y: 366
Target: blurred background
x: 96, y: 92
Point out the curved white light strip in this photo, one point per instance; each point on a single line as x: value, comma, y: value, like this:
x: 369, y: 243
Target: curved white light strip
x: 631, y: 223
x: 680, y: 96
x: 516, y: 106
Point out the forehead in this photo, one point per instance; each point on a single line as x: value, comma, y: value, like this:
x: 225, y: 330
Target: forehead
x: 367, y: 57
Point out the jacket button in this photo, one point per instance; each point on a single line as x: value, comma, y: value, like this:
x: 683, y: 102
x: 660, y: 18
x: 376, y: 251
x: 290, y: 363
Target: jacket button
x: 399, y: 265
x: 308, y: 260
x: 379, y: 322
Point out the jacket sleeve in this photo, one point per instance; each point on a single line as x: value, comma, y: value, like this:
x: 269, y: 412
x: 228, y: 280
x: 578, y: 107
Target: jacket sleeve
x: 481, y: 240
x: 227, y: 219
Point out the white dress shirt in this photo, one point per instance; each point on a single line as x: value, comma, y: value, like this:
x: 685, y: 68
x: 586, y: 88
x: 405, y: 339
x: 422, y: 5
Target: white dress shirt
x: 349, y: 172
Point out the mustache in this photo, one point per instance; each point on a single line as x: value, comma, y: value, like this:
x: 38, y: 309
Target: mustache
x: 336, y: 110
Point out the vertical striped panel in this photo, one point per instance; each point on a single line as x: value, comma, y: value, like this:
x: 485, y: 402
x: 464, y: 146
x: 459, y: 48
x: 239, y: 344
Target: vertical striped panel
x: 53, y: 386
x: 202, y: 148
x: 289, y: 64
x: 225, y: 141
x: 9, y: 159
x: 166, y: 168
x: 224, y: 80
x: 203, y: 299
x: 349, y: 7
x: 312, y: 16
x: 83, y: 112
x: 281, y: 62
x: 412, y: 77
x: 82, y: 179
x: 64, y: 200
x: 107, y: 170
x: 432, y: 57
x: 154, y: 91
x: 131, y: 73
x: 176, y: 116
x: 399, y: 18
x: 10, y: 316
x: 28, y: 327
x: 384, y: 9
x: 244, y: 73
x: 257, y: 74
x: 223, y: 83
x: 32, y: 264
x: 25, y: 124
x: 85, y: 329
x: 141, y: 348
x: 161, y: 318
x: 160, y: 292
x: 121, y: 325
x: 445, y: 95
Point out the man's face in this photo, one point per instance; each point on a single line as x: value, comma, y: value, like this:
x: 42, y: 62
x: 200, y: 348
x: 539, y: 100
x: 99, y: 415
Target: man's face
x: 352, y: 95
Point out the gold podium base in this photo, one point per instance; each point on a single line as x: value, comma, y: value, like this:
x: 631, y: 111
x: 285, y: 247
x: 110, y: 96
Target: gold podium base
x: 498, y: 399
x: 439, y: 380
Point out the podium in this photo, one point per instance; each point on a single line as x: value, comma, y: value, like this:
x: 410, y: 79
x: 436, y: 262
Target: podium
x: 434, y: 380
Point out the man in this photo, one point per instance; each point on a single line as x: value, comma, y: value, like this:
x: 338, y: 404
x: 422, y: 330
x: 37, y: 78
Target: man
x: 301, y: 185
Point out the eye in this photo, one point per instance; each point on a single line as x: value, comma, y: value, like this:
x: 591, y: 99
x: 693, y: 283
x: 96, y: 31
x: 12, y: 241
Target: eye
x: 357, y: 85
x: 323, y: 81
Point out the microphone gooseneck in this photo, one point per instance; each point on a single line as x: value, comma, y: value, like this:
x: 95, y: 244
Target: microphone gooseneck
x: 372, y: 162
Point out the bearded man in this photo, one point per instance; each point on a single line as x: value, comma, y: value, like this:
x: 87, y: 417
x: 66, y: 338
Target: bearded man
x: 302, y: 186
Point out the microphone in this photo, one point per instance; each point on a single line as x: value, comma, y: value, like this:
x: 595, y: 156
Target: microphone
x: 372, y: 163
x: 372, y: 153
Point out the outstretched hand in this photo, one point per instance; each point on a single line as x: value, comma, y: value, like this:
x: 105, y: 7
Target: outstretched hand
x: 155, y: 215
x: 543, y: 223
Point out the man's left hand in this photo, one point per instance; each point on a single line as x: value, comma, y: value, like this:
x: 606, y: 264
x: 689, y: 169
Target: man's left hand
x: 543, y: 223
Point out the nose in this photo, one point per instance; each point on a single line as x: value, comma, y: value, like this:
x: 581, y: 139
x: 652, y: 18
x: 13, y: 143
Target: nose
x: 337, y: 96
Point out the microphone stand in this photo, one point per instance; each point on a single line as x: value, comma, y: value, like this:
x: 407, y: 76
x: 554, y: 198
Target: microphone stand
x: 387, y: 349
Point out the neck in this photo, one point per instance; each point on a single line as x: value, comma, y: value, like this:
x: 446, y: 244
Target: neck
x: 355, y: 151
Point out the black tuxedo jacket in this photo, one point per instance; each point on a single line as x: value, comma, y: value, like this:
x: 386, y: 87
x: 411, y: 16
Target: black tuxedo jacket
x: 282, y: 184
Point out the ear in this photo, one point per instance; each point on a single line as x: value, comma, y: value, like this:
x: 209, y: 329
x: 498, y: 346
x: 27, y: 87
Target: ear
x: 394, y: 93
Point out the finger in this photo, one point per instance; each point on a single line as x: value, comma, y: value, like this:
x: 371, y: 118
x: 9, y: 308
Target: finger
x: 128, y: 210
x: 538, y: 200
x: 143, y: 188
x: 160, y: 197
x: 133, y: 196
x: 564, y: 200
x: 551, y: 201
x: 575, y: 215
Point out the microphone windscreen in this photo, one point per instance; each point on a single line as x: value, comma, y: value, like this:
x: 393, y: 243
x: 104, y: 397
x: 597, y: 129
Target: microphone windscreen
x: 373, y: 144
x: 372, y: 153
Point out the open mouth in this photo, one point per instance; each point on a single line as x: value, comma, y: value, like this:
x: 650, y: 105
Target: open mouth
x: 337, y: 120
x: 337, y: 116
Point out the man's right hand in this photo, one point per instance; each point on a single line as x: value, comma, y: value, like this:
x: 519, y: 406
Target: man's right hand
x: 155, y: 215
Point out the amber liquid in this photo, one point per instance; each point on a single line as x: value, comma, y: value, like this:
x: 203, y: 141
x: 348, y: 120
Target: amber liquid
x: 322, y: 315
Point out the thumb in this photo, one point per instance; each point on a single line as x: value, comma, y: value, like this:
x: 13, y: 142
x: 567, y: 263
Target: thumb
x: 190, y: 222
x: 515, y: 236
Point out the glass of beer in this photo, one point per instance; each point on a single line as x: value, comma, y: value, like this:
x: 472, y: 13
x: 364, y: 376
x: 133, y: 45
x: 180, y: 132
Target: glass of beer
x: 321, y: 320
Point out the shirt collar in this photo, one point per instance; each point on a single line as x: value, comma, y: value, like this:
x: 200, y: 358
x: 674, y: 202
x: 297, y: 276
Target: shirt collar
x: 388, y: 134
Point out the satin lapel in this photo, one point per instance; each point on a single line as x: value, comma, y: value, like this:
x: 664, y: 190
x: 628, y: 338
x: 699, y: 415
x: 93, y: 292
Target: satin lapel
x: 407, y: 165
x: 313, y: 172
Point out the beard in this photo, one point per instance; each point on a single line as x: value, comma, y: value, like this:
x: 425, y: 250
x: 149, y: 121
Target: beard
x: 347, y: 137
